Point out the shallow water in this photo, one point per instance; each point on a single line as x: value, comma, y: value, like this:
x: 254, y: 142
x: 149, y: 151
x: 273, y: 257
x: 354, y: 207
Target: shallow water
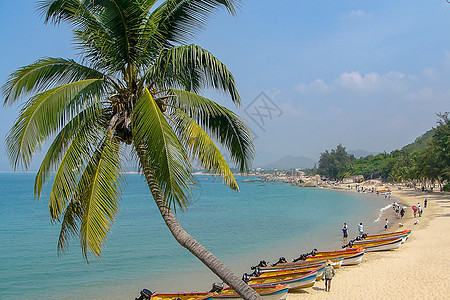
x: 262, y: 221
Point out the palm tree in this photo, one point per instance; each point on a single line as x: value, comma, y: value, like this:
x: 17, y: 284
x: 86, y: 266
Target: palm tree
x: 134, y: 94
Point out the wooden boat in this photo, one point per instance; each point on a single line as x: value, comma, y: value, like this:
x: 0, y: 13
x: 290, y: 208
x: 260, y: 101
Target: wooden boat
x: 336, y: 263
x: 383, y: 245
x: 294, y: 281
x: 293, y: 271
x: 361, y: 242
x: 278, y: 292
x: 182, y: 296
x: 352, y: 256
x: 404, y: 233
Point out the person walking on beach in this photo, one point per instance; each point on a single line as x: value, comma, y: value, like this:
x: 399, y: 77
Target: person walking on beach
x: 402, y: 212
x: 360, y: 229
x: 425, y: 203
x: 419, y: 209
x: 345, y: 231
x: 328, y: 274
x: 386, y: 224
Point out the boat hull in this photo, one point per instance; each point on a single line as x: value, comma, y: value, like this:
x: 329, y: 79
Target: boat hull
x: 390, y: 245
x: 182, y: 296
x: 294, y: 282
x: 266, y: 292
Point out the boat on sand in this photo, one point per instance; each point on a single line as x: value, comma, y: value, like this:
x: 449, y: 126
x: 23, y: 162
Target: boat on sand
x: 278, y: 292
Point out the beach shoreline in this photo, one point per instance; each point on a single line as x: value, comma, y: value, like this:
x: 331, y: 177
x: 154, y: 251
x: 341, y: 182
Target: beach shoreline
x: 417, y: 270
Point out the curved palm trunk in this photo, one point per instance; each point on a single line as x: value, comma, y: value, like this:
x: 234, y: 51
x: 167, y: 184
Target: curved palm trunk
x: 188, y: 242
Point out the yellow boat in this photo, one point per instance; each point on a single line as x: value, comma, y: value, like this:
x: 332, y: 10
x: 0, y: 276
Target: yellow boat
x: 182, y: 296
x: 297, y: 270
x: 295, y: 281
x: 378, y: 245
x: 278, y: 292
x: 404, y: 233
x: 336, y: 263
x: 352, y: 256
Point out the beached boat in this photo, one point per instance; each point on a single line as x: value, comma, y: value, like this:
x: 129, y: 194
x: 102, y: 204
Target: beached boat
x: 336, y: 262
x: 293, y: 271
x: 182, y: 296
x: 278, y: 292
x: 352, y: 256
x: 404, y: 234
x: 387, y: 238
x: 383, y: 245
x: 294, y: 281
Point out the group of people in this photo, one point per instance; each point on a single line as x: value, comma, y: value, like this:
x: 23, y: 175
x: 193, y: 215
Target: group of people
x: 399, y: 211
x: 345, y: 229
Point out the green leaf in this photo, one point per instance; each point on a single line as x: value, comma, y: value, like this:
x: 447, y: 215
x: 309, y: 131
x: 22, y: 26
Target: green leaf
x: 179, y: 20
x: 193, y: 68
x: 202, y: 147
x: 164, y: 151
x: 224, y: 125
x: 99, y: 192
x: 44, y: 114
x: 43, y: 74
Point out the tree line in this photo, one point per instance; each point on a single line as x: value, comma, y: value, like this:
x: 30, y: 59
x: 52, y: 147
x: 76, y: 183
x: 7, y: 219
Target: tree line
x: 425, y: 162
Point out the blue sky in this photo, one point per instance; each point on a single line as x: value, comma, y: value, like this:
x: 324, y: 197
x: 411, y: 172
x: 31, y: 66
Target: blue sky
x: 368, y: 74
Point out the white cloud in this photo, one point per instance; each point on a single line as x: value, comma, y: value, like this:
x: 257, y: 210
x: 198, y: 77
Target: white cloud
x: 356, y: 14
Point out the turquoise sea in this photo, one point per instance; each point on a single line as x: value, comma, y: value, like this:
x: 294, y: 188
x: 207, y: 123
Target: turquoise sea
x: 262, y: 221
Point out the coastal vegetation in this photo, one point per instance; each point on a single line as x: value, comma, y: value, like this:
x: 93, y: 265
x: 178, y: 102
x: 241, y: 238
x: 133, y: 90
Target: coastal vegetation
x: 132, y: 96
x: 424, y: 162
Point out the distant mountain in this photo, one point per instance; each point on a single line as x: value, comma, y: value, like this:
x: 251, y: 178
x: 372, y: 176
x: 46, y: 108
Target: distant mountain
x: 291, y: 162
x: 360, y: 153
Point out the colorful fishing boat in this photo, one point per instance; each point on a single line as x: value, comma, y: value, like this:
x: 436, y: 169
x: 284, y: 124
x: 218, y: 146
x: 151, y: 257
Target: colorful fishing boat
x: 352, y: 256
x: 295, y: 281
x: 336, y: 262
x: 297, y: 270
x: 182, y: 296
x: 382, y: 245
x: 404, y: 234
x: 278, y: 292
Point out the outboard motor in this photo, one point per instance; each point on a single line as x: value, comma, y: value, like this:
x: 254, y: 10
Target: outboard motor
x: 262, y: 263
x: 246, y: 277
x: 282, y: 260
x: 145, y: 295
x: 217, y: 287
x: 301, y: 257
x: 257, y: 272
x: 350, y: 244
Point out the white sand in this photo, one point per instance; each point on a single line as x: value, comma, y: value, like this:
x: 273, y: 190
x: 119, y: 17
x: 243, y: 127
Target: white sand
x: 419, y: 269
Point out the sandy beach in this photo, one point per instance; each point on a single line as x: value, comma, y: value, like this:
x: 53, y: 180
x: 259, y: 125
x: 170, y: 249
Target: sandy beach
x: 417, y: 270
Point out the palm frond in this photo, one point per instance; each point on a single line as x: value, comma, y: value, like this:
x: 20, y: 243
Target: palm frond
x: 45, y: 113
x: 180, y: 20
x: 99, y: 192
x: 69, y: 153
x: 222, y: 124
x: 163, y: 150
x: 202, y: 147
x: 193, y: 68
x: 70, y: 225
x: 44, y: 74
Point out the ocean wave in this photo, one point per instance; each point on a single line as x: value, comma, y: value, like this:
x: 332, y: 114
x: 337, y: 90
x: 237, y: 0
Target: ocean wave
x: 381, y: 212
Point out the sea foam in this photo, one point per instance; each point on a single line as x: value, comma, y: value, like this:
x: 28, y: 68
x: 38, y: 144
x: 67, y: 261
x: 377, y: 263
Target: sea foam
x: 381, y: 212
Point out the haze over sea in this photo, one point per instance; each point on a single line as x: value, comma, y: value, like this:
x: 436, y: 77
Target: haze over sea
x: 265, y: 220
